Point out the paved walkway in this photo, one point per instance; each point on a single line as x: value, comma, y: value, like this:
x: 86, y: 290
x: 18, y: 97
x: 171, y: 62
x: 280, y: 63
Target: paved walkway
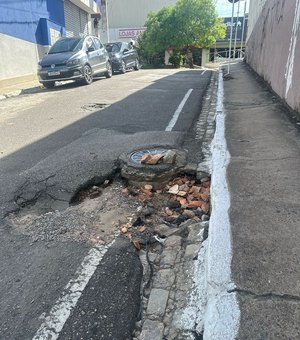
x: 22, y: 87
x: 264, y: 185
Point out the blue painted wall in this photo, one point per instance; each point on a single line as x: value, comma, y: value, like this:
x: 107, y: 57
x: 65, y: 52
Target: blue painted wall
x: 30, y: 20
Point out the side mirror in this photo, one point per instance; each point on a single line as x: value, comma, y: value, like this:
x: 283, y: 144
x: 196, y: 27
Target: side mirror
x: 90, y: 49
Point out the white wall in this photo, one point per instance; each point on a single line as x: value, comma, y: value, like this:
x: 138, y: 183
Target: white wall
x: 127, y: 15
x: 18, y: 57
x: 133, y: 13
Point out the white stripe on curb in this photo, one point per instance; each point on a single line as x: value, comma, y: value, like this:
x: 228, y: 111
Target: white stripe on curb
x: 222, y: 314
x: 178, y: 111
x: 61, y: 311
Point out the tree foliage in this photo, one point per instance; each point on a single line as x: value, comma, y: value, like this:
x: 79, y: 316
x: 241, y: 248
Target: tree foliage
x: 189, y: 23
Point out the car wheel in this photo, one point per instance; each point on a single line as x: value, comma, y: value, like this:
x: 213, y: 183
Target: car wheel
x: 123, y: 67
x: 49, y: 84
x: 88, y: 75
x: 109, y: 72
x: 137, y: 64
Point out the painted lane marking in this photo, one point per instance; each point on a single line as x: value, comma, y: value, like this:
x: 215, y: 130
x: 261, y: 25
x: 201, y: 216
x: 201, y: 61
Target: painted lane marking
x: 219, y: 252
x: 178, y: 111
x: 203, y: 72
x: 60, y: 312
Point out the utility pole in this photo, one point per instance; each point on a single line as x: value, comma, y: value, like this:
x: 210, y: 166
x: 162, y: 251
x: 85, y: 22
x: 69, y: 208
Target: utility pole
x: 236, y: 29
x: 107, y: 25
x: 231, y: 28
x: 243, y: 29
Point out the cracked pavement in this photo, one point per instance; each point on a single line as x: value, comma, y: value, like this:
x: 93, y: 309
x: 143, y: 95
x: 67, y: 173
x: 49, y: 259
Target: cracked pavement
x: 50, y: 149
x: 263, y: 177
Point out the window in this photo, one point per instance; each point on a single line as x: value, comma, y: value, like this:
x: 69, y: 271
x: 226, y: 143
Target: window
x: 66, y: 45
x: 89, y: 43
x: 97, y: 44
x: 114, y: 48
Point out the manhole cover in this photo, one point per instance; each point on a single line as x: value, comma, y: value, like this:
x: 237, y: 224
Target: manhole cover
x: 94, y: 106
x: 137, y: 155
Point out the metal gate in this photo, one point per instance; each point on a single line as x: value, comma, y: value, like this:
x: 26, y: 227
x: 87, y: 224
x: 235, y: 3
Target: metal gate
x: 76, y: 20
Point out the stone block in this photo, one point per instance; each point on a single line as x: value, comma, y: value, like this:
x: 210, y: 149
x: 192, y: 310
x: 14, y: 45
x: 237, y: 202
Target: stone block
x: 164, y: 278
x: 173, y: 242
x: 168, y: 258
x: 196, y: 232
x: 191, y: 251
x: 152, y: 330
x: 157, y: 303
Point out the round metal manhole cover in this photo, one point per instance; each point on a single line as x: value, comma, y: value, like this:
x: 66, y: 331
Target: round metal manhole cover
x: 137, y: 155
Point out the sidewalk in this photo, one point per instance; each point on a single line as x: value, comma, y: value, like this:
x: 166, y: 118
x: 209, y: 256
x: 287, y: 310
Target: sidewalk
x: 20, y: 87
x: 263, y: 177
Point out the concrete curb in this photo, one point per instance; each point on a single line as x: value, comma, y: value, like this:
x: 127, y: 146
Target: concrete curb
x: 17, y: 93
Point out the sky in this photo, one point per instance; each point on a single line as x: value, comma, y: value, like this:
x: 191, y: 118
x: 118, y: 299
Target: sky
x: 224, y: 7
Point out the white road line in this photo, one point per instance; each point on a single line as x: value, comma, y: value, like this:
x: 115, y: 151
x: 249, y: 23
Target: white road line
x: 203, y: 72
x: 60, y: 312
x: 178, y: 111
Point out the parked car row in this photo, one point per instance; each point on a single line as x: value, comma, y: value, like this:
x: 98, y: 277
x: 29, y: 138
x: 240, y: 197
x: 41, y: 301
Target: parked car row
x: 80, y: 59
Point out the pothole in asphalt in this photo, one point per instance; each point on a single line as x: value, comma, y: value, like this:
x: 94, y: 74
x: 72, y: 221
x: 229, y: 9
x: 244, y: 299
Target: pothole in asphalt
x: 101, y: 212
x: 94, y: 106
x: 151, y: 199
x: 166, y: 225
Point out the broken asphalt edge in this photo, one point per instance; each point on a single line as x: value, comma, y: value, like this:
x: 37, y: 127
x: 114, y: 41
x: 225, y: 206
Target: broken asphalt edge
x: 222, y: 315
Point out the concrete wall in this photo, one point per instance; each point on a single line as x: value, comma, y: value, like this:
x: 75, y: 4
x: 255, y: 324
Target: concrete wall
x: 273, y: 47
x: 256, y: 7
x: 18, y: 57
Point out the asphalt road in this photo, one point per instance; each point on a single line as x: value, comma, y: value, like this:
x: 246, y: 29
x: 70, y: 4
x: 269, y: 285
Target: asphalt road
x: 54, y: 142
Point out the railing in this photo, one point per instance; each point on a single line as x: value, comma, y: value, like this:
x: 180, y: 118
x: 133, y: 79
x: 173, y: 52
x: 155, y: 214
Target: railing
x: 224, y: 55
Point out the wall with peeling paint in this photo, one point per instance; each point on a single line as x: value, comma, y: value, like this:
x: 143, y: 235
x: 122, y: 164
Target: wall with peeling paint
x: 272, y: 46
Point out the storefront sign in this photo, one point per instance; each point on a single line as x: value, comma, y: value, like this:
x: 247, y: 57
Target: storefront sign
x: 131, y: 33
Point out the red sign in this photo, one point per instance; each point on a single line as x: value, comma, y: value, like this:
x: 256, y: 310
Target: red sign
x: 130, y: 32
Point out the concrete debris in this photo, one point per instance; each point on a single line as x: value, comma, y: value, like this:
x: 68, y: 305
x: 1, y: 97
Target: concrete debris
x: 174, y: 189
x: 151, y: 159
x: 168, y: 157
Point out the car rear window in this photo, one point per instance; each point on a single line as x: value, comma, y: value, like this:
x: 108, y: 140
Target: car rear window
x: 113, y: 47
x: 66, y: 45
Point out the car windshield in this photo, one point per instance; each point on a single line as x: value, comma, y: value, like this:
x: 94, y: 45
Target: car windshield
x: 113, y: 48
x: 66, y: 45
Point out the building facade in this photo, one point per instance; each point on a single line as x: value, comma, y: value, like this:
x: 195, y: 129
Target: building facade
x: 273, y: 46
x: 29, y: 27
x: 125, y: 20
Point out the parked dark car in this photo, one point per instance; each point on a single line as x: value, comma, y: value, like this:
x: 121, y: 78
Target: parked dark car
x: 123, y: 56
x: 76, y: 59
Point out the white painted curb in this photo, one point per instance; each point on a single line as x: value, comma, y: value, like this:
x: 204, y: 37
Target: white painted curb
x: 222, y: 315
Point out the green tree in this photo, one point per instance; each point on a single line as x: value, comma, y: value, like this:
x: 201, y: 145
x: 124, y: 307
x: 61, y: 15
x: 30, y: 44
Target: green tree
x: 190, y: 23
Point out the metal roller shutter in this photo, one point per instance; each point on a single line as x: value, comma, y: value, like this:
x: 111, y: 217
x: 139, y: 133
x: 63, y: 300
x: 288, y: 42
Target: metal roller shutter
x: 76, y: 20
